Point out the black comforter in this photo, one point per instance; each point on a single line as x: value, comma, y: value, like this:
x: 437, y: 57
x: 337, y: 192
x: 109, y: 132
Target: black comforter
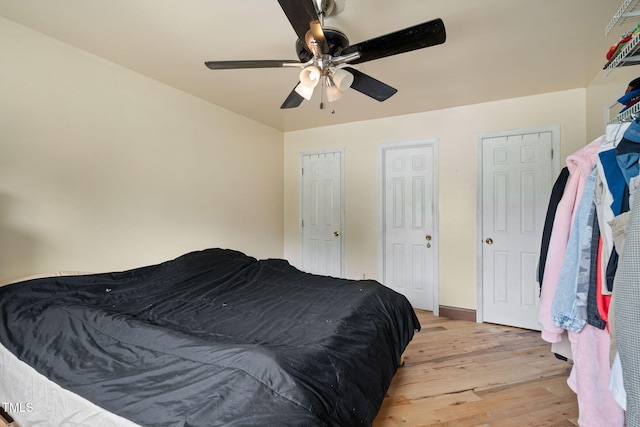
x: 214, y: 338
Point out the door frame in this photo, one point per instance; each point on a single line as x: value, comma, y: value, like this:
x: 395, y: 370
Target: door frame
x: 301, y: 202
x: 555, y: 168
x: 382, y: 149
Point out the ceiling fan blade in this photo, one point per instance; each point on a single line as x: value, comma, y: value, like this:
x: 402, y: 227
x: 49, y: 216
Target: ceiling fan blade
x: 300, y: 13
x: 318, y: 35
x: 232, y: 65
x: 369, y: 86
x: 417, y: 37
x: 293, y: 100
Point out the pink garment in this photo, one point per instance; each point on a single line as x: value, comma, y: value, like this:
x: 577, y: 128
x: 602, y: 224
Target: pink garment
x: 580, y: 165
x: 589, y: 379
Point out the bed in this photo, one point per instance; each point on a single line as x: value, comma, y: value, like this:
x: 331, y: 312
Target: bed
x: 211, y: 338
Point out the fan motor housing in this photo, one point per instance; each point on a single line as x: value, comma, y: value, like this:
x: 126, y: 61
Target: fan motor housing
x: 336, y: 40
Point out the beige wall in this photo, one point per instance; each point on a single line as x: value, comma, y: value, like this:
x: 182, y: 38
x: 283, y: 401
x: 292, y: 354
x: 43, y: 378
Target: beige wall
x: 457, y: 131
x: 104, y: 169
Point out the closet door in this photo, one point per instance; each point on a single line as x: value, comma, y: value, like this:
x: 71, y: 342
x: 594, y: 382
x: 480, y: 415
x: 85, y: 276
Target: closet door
x: 321, y: 207
x: 409, y: 222
x: 517, y: 177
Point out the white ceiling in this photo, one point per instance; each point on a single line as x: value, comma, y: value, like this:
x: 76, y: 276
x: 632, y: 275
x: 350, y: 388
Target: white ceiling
x: 495, y: 49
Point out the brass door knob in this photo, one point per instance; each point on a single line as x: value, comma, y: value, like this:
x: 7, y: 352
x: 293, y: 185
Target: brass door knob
x: 428, y: 237
x: 489, y: 241
x: 336, y: 233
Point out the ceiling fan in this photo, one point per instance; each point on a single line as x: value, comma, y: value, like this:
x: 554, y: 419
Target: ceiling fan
x: 326, y: 57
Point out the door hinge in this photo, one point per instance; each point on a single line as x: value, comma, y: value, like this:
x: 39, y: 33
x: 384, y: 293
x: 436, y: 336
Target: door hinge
x: 302, y: 221
x: 552, y: 153
x: 302, y: 171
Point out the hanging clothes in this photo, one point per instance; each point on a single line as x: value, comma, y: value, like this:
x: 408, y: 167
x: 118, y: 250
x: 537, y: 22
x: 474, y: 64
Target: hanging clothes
x: 627, y: 152
x: 618, y: 170
x: 573, y: 263
x: 574, y: 272
x: 580, y: 165
x: 590, y: 346
x: 627, y: 314
x: 609, y: 197
x: 593, y: 314
x: 590, y: 277
x: 554, y: 199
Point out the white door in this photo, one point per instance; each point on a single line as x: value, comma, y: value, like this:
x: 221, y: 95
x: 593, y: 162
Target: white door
x: 322, y: 213
x: 410, y: 243
x: 517, y: 177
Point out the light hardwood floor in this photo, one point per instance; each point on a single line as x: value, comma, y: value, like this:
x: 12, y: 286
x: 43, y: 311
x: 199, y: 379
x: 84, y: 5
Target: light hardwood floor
x: 459, y: 373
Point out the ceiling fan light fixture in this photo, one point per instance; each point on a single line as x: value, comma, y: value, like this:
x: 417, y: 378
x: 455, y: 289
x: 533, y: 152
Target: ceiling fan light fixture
x: 342, y: 79
x: 304, y: 91
x: 310, y: 76
x: 333, y: 93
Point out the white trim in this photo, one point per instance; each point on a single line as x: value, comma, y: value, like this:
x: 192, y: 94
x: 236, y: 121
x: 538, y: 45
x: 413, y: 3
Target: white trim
x: 342, y: 202
x: 555, y: 168
x: 428, y: 142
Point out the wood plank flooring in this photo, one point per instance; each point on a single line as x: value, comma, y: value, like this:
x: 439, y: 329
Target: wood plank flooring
x: 463, y: 374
